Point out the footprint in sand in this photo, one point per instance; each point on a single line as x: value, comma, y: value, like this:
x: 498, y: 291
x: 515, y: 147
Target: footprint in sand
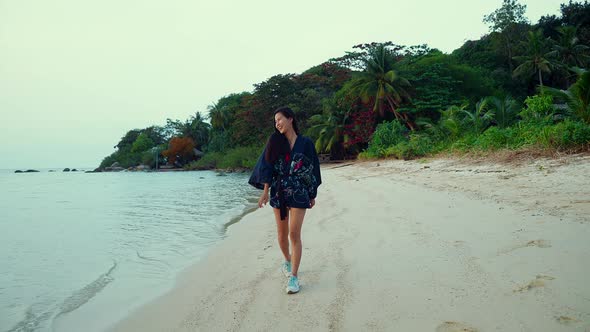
x: 539, y: 243
x: 566, y: 320
x: 533, y: 243
x: 538, y: 282
x: 455, y: 327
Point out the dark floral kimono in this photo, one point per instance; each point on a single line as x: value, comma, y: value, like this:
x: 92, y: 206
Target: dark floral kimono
x: 294, y: 179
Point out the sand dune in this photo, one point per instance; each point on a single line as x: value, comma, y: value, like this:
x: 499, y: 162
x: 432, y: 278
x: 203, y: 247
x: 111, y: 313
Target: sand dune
x: 435, y: 245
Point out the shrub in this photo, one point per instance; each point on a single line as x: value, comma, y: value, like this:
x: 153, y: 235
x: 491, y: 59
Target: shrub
x: 464, y: 143
x: 494, y: 138
x: 418, y: 145
x: 241, y: 157
x: 386, y: 135
x: 569, y: 134
x: 538, y: 108
x: 208, y: 161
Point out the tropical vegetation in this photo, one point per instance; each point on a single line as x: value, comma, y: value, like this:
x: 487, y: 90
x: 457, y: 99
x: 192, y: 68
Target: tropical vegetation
x: 520, y: 86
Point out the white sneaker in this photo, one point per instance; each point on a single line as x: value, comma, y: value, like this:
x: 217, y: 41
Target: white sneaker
x: 293, y: 285
x: 286, y: 269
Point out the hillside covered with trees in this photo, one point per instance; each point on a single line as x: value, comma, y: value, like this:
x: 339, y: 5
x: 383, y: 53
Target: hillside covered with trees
x: 521, y: 86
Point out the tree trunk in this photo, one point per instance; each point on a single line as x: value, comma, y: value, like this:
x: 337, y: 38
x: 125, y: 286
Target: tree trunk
x: 540, y: 79
x: 509, y: 49
x: 399, y: 116
x: 392, y: 106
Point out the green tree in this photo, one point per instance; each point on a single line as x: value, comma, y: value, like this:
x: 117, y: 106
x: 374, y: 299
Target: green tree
x: 254, y: 122
x: 222, y: 113
x: 195, y: 128
x: 511, y: 12
x: 504, y: 110
x: 434, y: 86
x: 329, y: 128
x: 537, y: 58
x: 156, y: 134
x: 142, y: 143
x: 576, y: 97
x: 198, y: 130
x: 380, y: 84
x: 128, y: 139
x: 568, y: 49
x: 577, y: 14
x: 507, y: 21
x: 450, y: 123
x: 479, y: 118
x: 219, y: 117
x: 439, y: 80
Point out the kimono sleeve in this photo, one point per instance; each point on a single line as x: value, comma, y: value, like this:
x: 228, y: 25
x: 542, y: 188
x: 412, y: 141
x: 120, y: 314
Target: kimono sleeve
x: 315, y: 162
x: 262, y: 173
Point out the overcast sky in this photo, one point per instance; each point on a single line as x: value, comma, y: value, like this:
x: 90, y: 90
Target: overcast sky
x: 76, y: 75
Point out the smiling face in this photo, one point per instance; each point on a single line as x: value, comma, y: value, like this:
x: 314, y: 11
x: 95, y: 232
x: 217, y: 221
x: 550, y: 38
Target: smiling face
x: 283, y: 123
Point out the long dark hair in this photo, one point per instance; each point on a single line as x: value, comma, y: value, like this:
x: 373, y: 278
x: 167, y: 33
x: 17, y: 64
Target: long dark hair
x: 289, y: 114
x: 277, y: 146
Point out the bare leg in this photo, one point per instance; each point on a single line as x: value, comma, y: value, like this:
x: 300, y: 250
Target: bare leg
x: 295, y: 224
x: 283, y: 233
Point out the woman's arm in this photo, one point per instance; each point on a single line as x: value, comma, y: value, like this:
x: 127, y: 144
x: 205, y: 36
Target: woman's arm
x: 262, y: 172
x: 264, y: 197
x: 316, y: 175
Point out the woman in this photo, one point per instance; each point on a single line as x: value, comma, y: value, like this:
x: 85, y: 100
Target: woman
x: 290, y: 169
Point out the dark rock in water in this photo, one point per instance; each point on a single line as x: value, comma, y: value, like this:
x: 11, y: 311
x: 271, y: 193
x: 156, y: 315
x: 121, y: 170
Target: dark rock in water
x: 31, y: 171
x: 66, y: 169
x: 74, y: 170
x: 18, y: 171
x: 142, y: 168
x: 96, y: 170
x: 201, y: 177
x: 51, y: 170
x: 113, y: 169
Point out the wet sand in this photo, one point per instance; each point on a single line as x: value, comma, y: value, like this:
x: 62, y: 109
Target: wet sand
x: 427, y: 245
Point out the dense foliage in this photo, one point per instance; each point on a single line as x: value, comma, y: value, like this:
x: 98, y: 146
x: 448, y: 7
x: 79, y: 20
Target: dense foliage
x: 521, y: 85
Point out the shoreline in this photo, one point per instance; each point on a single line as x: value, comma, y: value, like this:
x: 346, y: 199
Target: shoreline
x: 246, y: 211
x: 495, y: 249
x: 70, y: 322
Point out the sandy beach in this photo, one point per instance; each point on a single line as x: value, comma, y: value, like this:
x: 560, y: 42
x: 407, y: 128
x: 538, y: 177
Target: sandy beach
x: 426, y: 245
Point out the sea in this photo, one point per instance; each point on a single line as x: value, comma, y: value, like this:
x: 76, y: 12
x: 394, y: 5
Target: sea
x: 80, y: 251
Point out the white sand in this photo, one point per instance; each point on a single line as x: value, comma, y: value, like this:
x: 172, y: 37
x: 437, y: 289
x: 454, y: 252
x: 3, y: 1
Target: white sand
x: 439, y: 246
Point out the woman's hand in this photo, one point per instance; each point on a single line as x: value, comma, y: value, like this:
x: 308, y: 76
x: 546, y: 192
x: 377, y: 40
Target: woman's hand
x: 263, y: 199
x: 311, y: 203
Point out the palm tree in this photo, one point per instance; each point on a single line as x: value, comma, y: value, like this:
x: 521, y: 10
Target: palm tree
x: 569, y: 52
x: 568, y: 49
x: 197, y: 129
x: 449, y: 124
x: 505, y: 110
x: 480, y: 117
x: 536, y: 61
x: 218, y: 116
x: 382, y: 84
x: 329, y: 129
x: 576, y: 97
x: 449, y: 121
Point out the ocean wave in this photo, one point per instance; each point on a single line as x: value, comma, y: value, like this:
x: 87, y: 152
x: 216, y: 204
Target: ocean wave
x: 81, y: 296
x: 34, y: 321
x: 31, y: 321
